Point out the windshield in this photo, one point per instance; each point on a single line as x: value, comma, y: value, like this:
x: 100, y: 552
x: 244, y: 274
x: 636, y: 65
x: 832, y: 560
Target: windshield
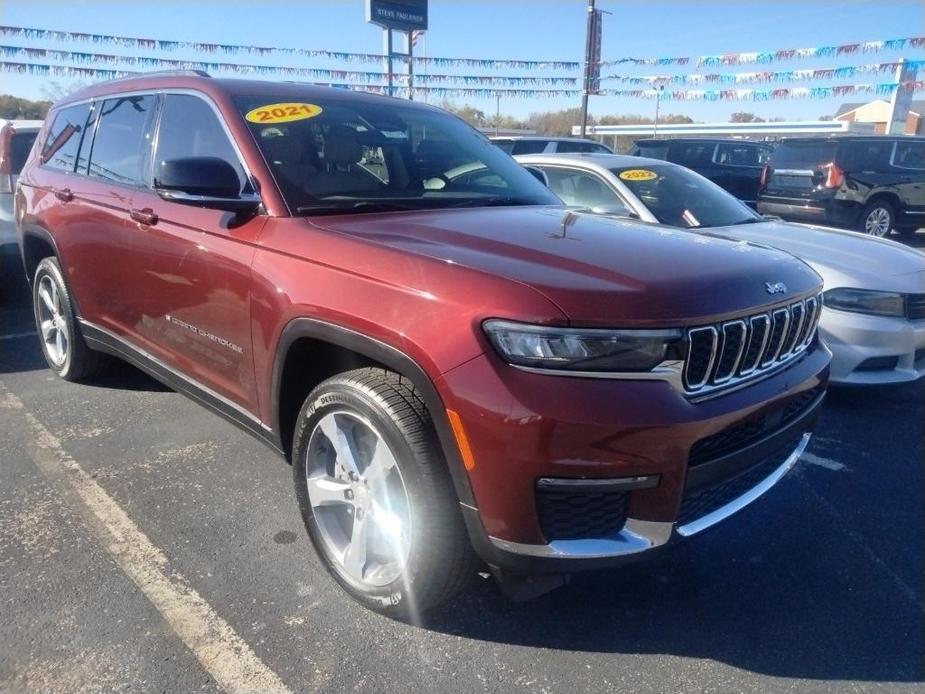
x: 330, y: 156
x: 681, y: 198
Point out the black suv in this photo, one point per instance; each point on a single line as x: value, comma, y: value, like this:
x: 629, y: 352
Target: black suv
x: 734, y: 165
x: 871, y: 183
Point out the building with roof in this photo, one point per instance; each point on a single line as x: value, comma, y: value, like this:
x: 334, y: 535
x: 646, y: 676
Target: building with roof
x: 877, y: 113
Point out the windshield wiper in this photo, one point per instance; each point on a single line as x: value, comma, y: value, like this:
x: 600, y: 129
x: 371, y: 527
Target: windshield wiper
x: 362, y: 206
x: 492, y: 202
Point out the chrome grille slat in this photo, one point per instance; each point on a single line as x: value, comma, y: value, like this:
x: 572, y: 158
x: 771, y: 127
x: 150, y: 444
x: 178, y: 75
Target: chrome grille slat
x: 727, y: 353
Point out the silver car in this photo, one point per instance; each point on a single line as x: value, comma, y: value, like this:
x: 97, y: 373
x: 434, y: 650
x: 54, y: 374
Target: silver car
x: 16, y: 138
x: 874, y: 315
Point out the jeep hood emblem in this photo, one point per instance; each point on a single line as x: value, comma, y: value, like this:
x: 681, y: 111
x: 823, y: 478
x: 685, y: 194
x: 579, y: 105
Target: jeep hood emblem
x: 776, y: 287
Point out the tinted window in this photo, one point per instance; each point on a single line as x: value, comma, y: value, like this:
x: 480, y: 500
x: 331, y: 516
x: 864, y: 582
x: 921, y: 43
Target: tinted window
x: 910, y: 155
x: 190, y: 128
x: 580, y: 189
x: 506, y: 145
x: 803, y: 155
x: 365, y: 155
x: 654, y: 150
x: 739, y: 155
x: 63, y: 139
x: 529, y: 146
x: 19, y: 150
x: 691, y: 153
x: 122, y: 139
x: 866, y: 155
x: 682, y: 198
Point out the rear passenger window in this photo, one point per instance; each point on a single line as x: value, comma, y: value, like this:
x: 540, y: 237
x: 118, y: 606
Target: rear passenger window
x: 190, y: 128
x: 122, y: 139
x: 691, y: 154
x: 738, y: 155
x: 63, y: 140
x: 867, y: 155
x: 909, y: 155
x: 528, y: 147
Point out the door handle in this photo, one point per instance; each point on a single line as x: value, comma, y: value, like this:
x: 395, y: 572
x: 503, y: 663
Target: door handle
x: 146, y: 216
x: 64, y: 194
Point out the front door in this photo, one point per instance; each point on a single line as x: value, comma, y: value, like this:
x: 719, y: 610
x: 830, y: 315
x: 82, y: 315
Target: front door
x: 194, y: 288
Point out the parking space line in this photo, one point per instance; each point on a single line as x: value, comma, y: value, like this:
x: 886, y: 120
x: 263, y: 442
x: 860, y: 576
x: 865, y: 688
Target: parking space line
x: 18, y: 336
x: 822, y: 462
x: 220, y: 650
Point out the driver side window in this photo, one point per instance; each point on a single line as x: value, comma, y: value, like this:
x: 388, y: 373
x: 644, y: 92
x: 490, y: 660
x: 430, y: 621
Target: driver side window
x: 190, y: 128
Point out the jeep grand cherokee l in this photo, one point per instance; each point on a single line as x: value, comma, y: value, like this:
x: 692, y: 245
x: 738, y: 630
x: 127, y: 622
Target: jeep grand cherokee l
x: 449, y: 365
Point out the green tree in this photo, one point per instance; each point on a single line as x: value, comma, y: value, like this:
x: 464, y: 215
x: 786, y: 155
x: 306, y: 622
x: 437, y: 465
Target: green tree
x: 16, y: 108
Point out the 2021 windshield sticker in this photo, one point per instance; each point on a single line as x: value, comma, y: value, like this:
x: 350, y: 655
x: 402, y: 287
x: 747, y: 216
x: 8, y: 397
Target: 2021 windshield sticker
x: 638, y: 175
x: 282, y: 113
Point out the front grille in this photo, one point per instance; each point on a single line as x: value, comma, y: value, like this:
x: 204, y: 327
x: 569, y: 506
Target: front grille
x: 723, y: 354
x: 697, y: 503
x: 915, y: 306
x: 575, y: 516
x: 743, y: 434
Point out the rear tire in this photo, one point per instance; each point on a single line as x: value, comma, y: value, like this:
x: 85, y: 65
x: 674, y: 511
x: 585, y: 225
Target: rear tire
x: 877, y: 219
x: 63, y: 345
x: 375, y: 494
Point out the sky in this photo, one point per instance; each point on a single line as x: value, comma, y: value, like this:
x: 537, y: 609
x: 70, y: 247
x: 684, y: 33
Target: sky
x: 514, y: 29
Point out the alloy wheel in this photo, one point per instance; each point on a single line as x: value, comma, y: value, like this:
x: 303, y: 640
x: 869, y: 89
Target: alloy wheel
x: 877, y: 222
x: 52, y: 321
x: 358, y: 499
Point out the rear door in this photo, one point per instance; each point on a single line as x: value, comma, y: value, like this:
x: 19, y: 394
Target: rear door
x: 192, y: 265
x: 737, y: 168
x: 798, y: 167
x: 908, y: 160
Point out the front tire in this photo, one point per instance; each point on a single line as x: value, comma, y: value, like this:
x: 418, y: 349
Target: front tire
x: 375, y: 494
x: 63, y: 345
x: 877, y: 219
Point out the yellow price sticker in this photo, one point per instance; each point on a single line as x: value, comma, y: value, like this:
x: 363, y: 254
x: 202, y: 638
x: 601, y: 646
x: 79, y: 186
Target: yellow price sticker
x: 638, y: 175
x: 282, y: 113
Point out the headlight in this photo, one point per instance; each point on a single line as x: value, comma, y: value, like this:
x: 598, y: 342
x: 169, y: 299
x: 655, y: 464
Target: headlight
x: 576, y: 349
x: 865, y: 301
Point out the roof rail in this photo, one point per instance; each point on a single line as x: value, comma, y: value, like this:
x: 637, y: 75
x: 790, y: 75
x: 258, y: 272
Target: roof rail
x: 162, y: 73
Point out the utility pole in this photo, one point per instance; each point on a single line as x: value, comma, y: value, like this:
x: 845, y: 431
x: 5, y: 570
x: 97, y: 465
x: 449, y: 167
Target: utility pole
x: 658, y: 99
x: 497, y: 113
x: 592, y: 15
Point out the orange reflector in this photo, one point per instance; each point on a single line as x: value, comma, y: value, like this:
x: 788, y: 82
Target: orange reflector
x: 461, y: 440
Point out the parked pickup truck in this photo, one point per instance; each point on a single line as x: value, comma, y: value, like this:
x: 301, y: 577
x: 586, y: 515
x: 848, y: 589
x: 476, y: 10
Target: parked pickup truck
x: 459, y: 370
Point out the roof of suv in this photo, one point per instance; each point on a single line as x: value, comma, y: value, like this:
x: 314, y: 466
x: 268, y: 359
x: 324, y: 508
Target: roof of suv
x: 697, y: 140
x: 227, y: 87
x: 543, y: 138
x: 848, y: 137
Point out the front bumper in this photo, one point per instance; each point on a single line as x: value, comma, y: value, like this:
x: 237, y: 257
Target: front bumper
x: 871, y: 350
x: 584, y: 429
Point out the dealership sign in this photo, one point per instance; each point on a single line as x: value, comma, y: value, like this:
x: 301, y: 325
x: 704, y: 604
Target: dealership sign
x: 401, y: 15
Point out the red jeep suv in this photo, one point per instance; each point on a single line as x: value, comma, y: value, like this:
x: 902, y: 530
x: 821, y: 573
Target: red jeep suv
x: 457, y: 367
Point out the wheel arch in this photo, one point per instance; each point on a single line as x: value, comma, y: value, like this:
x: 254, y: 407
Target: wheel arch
x: 333, y: 349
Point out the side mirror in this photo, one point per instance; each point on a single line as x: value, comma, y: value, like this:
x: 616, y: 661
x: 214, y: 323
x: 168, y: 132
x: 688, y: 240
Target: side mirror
x: 203, y: 182
x: 538, y: 174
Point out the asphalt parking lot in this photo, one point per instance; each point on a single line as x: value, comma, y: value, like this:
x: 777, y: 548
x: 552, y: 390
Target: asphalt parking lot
x: 146, y: 545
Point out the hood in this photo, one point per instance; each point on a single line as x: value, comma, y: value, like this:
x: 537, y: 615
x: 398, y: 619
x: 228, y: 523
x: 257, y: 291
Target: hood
x: 842, y: 258
x: 599, y: 271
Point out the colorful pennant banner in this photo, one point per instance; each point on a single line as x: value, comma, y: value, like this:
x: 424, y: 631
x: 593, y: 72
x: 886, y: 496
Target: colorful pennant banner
x: 883, y: 89
x: 270, y: 70
x: 898, y: 44
x: 235, y: 49
x: 764, y: 77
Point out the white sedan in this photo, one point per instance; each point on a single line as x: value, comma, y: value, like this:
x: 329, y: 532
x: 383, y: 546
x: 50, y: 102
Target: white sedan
x: 874, y: 314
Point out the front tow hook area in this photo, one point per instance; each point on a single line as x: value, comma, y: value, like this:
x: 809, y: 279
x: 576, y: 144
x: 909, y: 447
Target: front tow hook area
x: 525, y: 587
